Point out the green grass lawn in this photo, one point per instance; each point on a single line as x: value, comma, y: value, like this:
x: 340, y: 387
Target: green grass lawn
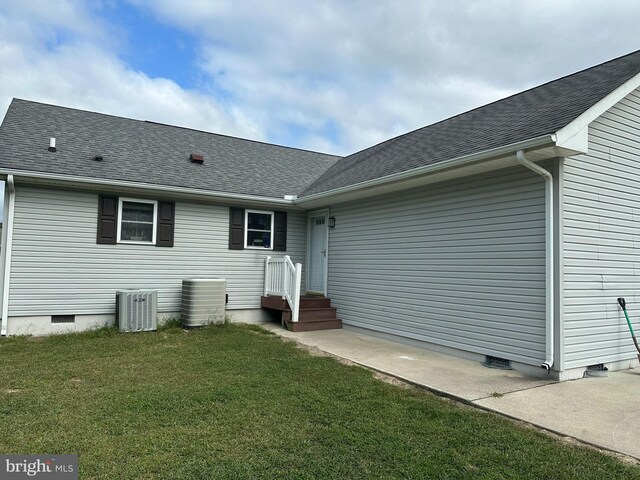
x: 238, y: 402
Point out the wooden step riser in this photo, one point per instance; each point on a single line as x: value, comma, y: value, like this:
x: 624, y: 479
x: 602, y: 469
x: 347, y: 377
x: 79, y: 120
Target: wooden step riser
x: 315, y: 303
x: 314, y: 314
x: 274, y: 303
x: 278, y: 303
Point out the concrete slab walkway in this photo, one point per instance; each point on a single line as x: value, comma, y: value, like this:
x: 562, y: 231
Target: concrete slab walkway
x: 604, y: 412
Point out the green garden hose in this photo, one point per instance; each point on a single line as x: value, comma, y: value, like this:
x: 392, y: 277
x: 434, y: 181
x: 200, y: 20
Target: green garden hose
x: 623, y: 305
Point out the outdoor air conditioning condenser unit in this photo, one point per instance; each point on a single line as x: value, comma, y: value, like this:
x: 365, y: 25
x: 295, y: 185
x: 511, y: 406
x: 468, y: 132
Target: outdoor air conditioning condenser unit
x: 137, y: 310
x: 203, y: 301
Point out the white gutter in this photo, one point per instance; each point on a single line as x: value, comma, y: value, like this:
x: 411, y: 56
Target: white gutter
x: 426, y: 169
x: 288, y: 199
x: 548, y: 189
x: 6, y: 251
x: 147, y: 186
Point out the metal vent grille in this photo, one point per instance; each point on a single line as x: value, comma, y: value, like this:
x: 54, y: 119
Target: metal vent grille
x: 597, y: 370
x: 136, y: 310
x: 497, y: 362
x: 63, y: 318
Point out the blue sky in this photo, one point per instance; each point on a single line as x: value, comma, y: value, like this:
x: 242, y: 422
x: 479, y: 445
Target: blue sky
x: 156, y: 48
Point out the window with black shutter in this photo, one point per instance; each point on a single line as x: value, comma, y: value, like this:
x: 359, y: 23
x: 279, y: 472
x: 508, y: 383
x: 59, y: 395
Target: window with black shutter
x: 135, y: 221
x: 257, y: 229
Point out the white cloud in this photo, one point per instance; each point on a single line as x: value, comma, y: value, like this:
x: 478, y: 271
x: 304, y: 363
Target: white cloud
x: 332, y: 75
x: 40, y: 63
x: 376, y: 69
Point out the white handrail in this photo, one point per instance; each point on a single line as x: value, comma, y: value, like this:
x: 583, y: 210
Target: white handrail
x: 283, y: 277
x: 267, y: 283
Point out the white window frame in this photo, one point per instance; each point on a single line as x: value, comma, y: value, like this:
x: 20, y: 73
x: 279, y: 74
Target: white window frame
x: 246, y: 229
x: 121, y: 200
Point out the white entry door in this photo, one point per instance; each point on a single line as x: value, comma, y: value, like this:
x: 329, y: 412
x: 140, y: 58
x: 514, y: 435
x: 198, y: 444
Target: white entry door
x: 317, y: 262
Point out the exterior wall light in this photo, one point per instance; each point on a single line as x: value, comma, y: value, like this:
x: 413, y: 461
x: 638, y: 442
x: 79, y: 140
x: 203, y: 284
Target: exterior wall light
x: 332, y: 222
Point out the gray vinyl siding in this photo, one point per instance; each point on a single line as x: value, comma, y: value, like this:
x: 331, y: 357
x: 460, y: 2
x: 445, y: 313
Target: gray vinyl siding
x: 459, y: 264
x: 57, y: 267
x: 602, y: 239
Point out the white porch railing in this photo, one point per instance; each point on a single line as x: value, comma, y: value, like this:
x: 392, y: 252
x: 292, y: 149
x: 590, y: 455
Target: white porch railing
x: 282, y: 277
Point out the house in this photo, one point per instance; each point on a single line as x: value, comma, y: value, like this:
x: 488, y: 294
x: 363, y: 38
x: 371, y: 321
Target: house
x: 504, y: 234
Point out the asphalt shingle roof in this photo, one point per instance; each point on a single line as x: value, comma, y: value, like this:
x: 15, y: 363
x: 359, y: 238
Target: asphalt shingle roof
x: 539, y: 111
x: 153, y: 153
x: 147, y: 152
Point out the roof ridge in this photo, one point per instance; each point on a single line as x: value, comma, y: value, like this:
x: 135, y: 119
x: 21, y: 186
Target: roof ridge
x: 241, y: 138
x: 120, y: 117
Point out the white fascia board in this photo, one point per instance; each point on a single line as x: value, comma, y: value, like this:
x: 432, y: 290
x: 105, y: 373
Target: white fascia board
x: 164, y: 190
x: 577, y: 144
x: 545, y: 140
x: 575, y: 132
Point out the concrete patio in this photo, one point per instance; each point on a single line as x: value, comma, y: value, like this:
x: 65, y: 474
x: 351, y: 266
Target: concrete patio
x: 604, y: 412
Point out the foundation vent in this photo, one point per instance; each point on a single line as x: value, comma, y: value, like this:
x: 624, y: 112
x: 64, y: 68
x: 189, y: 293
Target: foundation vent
x: 63, y: 319
x: 597, y: 370
x: 497, y: 362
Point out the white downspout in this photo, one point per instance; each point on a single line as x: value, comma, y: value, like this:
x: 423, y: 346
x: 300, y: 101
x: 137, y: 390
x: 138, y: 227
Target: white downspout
x: 7, y: 237
x: 548, y: 188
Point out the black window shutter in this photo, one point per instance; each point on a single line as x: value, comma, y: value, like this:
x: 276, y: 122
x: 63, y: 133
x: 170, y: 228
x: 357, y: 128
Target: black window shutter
x: 107, y: 220
x: 236, y: 228
x: 280, y: 231
x: 166, y: 222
